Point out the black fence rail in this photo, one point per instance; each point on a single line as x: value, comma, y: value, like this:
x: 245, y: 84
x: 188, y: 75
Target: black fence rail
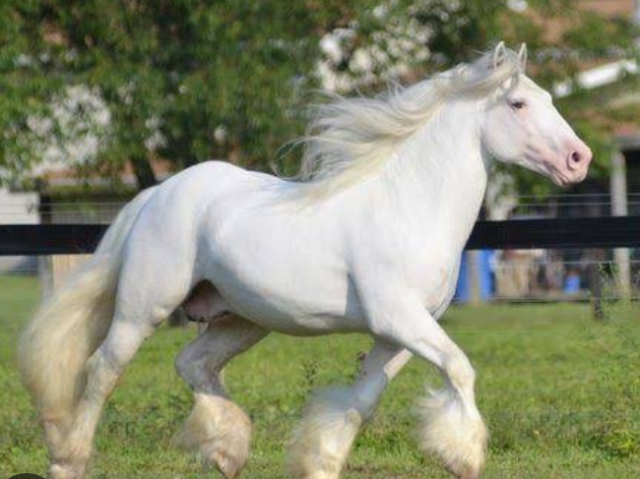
x: 32, y: 240
x: 565, y: 233
x: 559, y: 233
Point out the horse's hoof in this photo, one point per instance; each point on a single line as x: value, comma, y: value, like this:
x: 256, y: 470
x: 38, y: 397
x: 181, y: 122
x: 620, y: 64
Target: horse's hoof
x: 228, y: 465
x: 65, y: 471
x: 219, y: 432
x: 464, y: 473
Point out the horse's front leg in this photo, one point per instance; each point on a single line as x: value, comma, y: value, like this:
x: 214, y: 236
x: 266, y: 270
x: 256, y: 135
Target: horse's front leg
x: 453, y: 428
x: 322, y: 441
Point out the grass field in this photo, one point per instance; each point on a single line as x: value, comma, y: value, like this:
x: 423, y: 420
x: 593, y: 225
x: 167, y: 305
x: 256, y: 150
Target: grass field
x: 560, y: 392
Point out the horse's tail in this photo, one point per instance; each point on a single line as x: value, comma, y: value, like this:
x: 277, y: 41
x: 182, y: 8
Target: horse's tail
x: 72, y: 322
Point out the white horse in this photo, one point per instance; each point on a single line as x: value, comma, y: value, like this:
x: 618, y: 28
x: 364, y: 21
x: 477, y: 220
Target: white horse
x: 369, y: 243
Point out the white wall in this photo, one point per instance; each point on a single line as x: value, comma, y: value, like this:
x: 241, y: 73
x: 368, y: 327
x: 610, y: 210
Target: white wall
x: 18, y: 208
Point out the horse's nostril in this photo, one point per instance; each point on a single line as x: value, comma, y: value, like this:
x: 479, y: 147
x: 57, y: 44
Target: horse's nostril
x: 576, y: 157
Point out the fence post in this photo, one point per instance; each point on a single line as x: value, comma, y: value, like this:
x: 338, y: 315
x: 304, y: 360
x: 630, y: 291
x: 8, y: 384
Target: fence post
x: 595, y: 257
x: 595, y: 285
x: 45, y: 267
x: 618, y: 188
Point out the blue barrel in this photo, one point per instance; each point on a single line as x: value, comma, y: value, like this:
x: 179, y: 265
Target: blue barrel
x: 487, y: 286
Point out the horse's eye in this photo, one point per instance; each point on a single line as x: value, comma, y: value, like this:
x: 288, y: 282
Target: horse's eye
x: 517, y: 104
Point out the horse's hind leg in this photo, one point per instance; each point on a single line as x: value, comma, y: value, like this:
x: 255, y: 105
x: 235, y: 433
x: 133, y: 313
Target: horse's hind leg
x: 217, y: 428
x: 322, y: 442
x: 104, y: 369
x: 138, y: 312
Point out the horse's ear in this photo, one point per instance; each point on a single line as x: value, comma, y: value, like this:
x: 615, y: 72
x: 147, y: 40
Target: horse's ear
x: 522, y: 57
x: 498, y: 54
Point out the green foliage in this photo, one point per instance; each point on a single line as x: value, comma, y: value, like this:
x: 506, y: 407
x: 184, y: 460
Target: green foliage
x: 185, y: 80
x: 24, y: 85
x: 190, y: 80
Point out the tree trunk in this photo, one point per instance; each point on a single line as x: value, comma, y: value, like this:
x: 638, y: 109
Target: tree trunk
x: 143, y: 172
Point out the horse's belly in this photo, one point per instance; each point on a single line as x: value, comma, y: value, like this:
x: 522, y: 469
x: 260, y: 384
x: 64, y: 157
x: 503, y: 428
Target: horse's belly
x: 294, y: 289
x: 288, y: 313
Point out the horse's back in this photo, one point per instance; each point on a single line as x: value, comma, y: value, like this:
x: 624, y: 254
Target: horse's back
x: 179, y: 202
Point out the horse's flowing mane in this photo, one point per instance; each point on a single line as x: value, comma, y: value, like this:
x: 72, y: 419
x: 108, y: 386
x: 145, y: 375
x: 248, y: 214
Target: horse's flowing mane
x: 350, y: 138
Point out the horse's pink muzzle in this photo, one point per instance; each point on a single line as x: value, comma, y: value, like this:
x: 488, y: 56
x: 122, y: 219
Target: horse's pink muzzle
x: 578, y: 161
x: 573, y: 168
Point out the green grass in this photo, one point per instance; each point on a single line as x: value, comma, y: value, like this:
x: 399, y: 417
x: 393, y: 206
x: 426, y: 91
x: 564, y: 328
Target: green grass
x: 560, y: 392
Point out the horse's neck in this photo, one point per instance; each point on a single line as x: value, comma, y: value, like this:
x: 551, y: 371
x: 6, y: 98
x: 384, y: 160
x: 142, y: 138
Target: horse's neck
x: 436, y: 184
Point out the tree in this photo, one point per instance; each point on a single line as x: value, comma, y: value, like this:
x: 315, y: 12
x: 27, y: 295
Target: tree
x: 25, y: 88
x: 190, y: 80
x: 184, y: 80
